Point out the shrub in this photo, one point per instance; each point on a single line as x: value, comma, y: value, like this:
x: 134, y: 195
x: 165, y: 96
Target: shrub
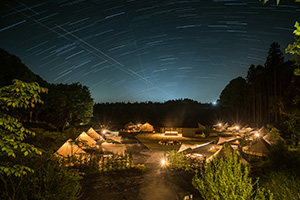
x: 141, y: 167
x: 282, y: 184
x: 227, y: 178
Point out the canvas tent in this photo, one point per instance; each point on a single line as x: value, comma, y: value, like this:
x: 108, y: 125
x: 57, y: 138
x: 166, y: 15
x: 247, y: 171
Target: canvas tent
x: 116, y: 139
x: 223, y: 140
x: 146, y: 127
x: 225, y: 151
x: 93, y: 134
x: 198, y: 149
x: 69, y: 148
x: 271, y: 138
x: 130, y: 126
x: 183, y: 147
x: 85, y: 140
x: 259, y: 147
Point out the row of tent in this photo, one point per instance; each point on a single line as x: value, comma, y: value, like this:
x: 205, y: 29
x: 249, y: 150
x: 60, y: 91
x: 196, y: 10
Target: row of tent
x: 259, y: 146
x: 131, y: 127
x: 89, y: 140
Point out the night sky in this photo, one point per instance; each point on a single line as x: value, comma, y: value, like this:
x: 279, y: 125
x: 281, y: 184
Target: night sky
x: 145, y: 50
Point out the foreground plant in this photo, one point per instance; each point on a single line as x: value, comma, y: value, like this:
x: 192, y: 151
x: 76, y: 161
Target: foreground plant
x: 20, y: 95
x: 227, y: 178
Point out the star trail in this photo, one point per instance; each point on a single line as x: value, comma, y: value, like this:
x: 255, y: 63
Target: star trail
x: 145, y: 50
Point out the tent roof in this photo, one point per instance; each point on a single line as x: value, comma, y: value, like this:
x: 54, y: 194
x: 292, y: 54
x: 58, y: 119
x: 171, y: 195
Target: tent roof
x: 259, y: 148
x: 83, y: 137
x: 225, y: 151
x: 271, y: 139
x: 69, y: 148
x: 202, y: 127
x: 183, y: 147
x: 222, y: 140
x: 146, y: 127
x: 197, y: 148
x: 93, y: 134
x: 116, y: 139
x: 130, y: 125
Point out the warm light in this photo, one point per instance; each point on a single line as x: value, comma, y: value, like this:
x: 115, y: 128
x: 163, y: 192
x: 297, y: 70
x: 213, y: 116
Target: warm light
x: 256, y: 134
x: 220, y: 124
x: 237, y: 127
x: 104, y: 131
x: 163, y: 162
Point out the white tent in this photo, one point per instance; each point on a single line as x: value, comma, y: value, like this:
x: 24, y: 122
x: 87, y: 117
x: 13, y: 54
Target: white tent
x: 114, y: 148
x: 86, y: 140
x: 69, y: 148
x: 130, y: 125
x: 184, y: 147
x: 146, y: 127
x: 258, y: 148
x: 224, y: 151
x: 116, y: 139
x: 93, y: 134
x: 223, y: 140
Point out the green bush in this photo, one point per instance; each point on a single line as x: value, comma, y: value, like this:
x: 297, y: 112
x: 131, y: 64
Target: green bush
x: 181, y: 161
x: 227, y: 178
x: 51, y: 180
x: 141, y: 167
x: 282, y: 184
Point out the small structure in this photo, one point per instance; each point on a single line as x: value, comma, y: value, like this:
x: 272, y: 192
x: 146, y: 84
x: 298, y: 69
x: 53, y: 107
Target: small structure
x: 93, y: 134
x: 259, y: 147
x: 233, y: 141
x: 201, y: 151
x: 85, y: 141
x: 225, y: 151
x: 182, y: 131
x: 68, y: 149
x: 147, y: 128
x: 131, y: 127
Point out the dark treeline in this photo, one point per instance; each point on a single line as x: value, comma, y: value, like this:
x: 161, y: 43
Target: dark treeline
x: 262, y: 96
x: 180, y: 112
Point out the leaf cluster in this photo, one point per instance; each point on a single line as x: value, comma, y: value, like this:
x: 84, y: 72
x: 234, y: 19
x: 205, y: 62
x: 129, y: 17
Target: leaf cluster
x: 227, y: 178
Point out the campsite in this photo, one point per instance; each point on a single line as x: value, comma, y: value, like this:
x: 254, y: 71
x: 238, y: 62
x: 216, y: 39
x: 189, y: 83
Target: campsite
x: 150, y: 100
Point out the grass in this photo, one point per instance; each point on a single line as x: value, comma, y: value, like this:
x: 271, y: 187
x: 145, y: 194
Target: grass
x: 151, y: 141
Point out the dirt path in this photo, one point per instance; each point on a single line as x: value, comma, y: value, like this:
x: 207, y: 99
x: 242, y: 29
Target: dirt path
x: 162, y: 184
x: 156, y: 184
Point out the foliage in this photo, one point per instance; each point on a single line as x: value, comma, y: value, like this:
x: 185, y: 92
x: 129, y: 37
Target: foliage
x: 98, y: 163
x: 232, y: 98
x: 181, y: 161
x: 73, y: 105
x: 50, y: 141
x: 280, y: 158
x: 13, y: 133
x: 226, y: 178
x: 51, y: 180
x: 282, y: 184
x: 141, y: 167
x: 295, y: 48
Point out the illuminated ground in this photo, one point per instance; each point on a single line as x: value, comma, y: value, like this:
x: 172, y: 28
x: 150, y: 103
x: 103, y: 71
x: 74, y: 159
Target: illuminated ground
x: 157, y: 183
x: 151, y: 141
